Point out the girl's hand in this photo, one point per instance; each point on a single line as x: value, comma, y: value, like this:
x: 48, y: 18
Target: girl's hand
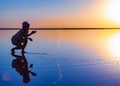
x: 33, y: 32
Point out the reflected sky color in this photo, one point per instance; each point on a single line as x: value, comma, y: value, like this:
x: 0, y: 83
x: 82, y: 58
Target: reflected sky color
x: 92, y: 40
x: 62, y: 59
x: 54, y: 13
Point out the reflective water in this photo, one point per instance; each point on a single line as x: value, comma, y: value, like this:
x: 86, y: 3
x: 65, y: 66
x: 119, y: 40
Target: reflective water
x: 59, y: 58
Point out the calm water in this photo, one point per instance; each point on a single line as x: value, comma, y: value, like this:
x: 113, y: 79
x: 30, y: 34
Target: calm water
x: 61, y: 58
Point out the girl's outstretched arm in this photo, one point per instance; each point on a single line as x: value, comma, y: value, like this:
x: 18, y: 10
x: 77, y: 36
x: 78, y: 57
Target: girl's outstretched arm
x: 32, y: 33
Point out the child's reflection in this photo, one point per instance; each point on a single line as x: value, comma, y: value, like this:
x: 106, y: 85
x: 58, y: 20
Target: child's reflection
x: 21, y: 66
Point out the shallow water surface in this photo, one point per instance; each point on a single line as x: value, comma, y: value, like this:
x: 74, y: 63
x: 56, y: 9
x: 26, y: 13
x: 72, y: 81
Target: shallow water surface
x: 60, y: 58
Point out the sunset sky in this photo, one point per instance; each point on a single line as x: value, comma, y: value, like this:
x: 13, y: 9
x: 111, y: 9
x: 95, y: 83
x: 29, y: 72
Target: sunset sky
x: 58, y: 13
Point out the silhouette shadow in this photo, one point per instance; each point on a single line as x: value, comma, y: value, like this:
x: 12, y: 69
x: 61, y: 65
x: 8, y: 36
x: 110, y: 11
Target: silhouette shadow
x: 20, y: 64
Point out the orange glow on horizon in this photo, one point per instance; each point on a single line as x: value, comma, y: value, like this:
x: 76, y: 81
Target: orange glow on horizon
x: 91, y: 16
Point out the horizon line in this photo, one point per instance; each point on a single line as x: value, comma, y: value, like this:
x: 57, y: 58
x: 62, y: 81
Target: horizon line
x: 60, y: 28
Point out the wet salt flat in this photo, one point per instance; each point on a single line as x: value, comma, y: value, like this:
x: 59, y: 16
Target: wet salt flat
x: 60, y: 58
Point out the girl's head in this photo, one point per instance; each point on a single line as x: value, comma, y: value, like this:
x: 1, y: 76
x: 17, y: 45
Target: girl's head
x: 25, y: 25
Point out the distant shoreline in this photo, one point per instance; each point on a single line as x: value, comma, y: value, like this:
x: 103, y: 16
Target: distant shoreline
x: 61, y: 28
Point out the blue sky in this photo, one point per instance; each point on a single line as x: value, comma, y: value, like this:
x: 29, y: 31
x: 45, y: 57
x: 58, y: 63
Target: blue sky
x: 12, y: 11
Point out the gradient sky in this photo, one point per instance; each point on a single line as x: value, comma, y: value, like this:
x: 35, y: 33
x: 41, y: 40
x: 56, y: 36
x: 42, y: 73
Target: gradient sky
x: 53, y: 13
